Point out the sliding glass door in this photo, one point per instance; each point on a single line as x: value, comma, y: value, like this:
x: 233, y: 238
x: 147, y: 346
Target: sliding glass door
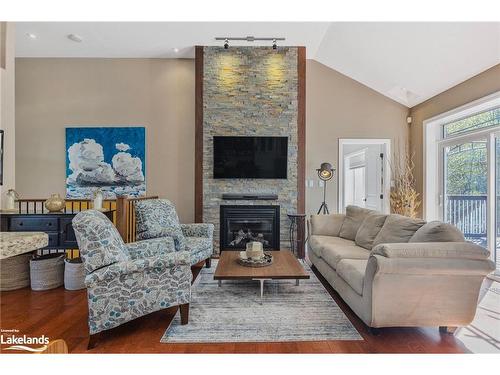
x: 470, y: 178
x: 466, y: 188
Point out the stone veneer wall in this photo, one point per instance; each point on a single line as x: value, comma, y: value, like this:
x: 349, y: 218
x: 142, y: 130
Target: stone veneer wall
x: 249, y: 91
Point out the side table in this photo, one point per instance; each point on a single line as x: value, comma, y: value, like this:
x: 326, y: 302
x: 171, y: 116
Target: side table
x: 297, y: 234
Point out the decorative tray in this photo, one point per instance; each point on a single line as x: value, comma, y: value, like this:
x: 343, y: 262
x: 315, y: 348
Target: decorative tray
x: 267, y: 260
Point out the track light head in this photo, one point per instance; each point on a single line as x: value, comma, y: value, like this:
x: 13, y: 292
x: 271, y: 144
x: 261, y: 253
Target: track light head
x: 275, y: 46
x: 226, y: 43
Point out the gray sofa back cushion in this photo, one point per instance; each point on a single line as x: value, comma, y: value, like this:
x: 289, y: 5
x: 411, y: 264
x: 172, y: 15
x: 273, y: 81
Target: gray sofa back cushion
x: 327, y: 225
x: 437, y: 231
x: 397, y: 228
x: 354, y: 217
x: 369, y: 229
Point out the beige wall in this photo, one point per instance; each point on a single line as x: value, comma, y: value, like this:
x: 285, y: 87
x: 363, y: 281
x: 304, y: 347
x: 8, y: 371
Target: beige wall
x: 7, y: 107
x: 339, y: 107
x: 156, y: 93
x: 481, y: 85
x: 159, y: 94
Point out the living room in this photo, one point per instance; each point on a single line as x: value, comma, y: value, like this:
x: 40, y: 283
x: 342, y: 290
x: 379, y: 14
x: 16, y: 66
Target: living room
x: 249, y: 187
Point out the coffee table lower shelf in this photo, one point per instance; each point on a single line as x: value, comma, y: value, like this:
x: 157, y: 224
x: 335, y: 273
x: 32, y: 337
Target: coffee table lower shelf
x: 285, y: 266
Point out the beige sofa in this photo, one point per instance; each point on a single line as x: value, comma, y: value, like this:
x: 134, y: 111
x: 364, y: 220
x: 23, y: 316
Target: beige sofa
x: 394, y: 271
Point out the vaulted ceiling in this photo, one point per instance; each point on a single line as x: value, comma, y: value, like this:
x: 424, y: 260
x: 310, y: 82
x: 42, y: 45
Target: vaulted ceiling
x: 407, y: 62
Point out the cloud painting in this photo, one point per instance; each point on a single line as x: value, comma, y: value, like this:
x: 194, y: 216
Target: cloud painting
x: 110, y: 158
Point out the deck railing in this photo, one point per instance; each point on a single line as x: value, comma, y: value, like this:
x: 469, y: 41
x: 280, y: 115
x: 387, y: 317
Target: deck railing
x: 469, y: 214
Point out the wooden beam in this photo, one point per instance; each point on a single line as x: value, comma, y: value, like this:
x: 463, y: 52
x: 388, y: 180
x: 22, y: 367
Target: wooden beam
x: 301, y: 129
x: 198, y: 141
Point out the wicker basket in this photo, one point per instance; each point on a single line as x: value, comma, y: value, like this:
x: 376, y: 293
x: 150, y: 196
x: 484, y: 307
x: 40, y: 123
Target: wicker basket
x: 15, y: 272
x: 47, y: 272
x: 74, y: 274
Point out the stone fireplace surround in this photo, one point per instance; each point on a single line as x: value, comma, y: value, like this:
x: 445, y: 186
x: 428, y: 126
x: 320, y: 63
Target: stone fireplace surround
x: 249, y: 91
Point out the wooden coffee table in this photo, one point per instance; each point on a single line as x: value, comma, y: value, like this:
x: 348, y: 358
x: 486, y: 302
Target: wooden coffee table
x: 285, y: 266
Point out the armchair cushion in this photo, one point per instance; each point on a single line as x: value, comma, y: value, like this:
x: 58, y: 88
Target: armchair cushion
x: 456, y: 250
x: 397, y: 228
x: 369, y: 229
x: 437, y: 231
x: 353, y: 219
x: 151, y: 247
x: 158, y: 218
x: 198, y: 230
x: 99, y: 242
x: 155, y: 263
x: 200, y: 248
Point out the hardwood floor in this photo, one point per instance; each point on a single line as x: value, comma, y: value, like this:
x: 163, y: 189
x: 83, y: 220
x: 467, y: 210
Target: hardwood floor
x: 61, y: 314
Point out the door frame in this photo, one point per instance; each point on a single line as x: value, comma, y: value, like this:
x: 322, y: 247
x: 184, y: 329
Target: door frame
x: 386, y: 175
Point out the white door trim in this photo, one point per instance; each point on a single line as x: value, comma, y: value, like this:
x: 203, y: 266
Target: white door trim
x: 386, y: 175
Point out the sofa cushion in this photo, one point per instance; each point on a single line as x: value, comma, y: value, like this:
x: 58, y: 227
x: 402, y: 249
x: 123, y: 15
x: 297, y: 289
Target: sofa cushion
x: 437, y: 231
x: 352, y: 271
x: 327, y: 225
x: 397, y: 228
x: 354, y: 217
x: 369, y: 229
x: 333, y: 254
x: 158, y: 218
x: 318, y: 243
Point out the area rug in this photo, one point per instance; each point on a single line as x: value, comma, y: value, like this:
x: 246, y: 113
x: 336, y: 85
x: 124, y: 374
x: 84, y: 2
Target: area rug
x: 233, y: 313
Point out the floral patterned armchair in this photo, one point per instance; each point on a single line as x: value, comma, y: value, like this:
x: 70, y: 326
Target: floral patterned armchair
x: 156, y: 218
x: 126, y: 281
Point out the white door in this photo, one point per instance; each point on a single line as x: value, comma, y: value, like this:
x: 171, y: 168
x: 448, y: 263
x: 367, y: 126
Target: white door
x: 363, y: 174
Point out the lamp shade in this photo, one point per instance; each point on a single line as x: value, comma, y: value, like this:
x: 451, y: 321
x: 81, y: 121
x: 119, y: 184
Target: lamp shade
x: 325, y: 171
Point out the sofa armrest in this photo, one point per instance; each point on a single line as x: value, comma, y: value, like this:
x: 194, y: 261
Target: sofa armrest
x: 448, y: 250
x: 156, y: 263
x: 150, y: 248
x: 198, y: 230
x: 326, y: 225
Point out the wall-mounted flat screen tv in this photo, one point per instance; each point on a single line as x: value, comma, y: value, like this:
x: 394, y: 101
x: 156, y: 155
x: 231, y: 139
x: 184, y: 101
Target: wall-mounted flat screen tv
x: 250, y: 157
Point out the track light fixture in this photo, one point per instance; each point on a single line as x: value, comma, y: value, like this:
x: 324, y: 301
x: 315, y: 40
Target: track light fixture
x: 226, y: 40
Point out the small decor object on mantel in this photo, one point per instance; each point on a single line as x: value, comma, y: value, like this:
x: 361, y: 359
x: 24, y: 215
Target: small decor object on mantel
x: 55, y: 203
x: 10, y: 204
x: 98, y: 197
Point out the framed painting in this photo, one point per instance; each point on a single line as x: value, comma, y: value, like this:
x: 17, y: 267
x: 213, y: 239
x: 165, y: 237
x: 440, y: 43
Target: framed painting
x: 109, y: 158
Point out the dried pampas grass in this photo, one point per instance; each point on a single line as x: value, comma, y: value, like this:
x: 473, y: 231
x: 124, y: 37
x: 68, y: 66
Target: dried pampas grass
x: 404, y: 198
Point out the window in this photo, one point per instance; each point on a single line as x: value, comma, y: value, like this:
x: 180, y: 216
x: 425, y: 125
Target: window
x: 462, y: 171
x: 481, y: 120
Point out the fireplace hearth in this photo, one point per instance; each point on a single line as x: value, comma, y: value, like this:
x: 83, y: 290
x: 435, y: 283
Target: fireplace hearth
x: 242, y: 224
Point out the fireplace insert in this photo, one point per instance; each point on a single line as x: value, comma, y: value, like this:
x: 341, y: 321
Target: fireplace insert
x: 242, y: 224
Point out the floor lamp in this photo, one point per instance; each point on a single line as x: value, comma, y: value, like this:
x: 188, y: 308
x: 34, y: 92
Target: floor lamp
x: 325, y: 173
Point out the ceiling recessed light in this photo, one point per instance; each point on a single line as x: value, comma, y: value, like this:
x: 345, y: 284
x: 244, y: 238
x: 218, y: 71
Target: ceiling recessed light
x: 75, y: 38
x: 31, y: 35
x: 175, y: 49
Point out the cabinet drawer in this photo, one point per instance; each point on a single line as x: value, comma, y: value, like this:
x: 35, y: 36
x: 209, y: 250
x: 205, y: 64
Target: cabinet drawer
x: 41, y: 224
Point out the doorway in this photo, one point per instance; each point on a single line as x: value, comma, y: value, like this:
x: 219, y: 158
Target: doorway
x: 364, y: 178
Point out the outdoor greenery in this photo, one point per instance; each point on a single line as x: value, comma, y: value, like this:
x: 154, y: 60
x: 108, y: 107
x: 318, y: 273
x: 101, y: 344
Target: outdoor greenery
x: 466, y: 163
x: 466, y: 169
x: 479, y: 121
